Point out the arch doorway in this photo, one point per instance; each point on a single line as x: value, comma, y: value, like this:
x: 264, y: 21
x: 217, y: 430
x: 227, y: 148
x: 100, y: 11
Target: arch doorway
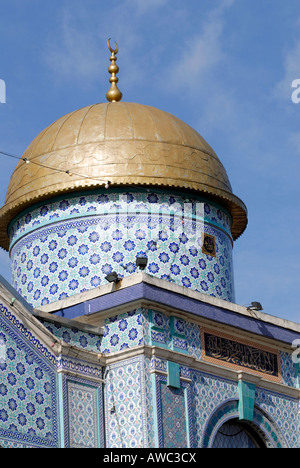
x: 237, y: 434
x: 225, y: 429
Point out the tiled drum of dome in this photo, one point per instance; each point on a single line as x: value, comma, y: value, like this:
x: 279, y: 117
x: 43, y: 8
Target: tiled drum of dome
x: 69, y: 245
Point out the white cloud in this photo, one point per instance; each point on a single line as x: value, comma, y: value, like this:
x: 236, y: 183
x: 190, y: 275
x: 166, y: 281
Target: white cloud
x: 202, y: 52
x: 287, y: 92
x: 77, y: 48
x: 142, y: 7
x: 74, y: 52
x: 294, y: 140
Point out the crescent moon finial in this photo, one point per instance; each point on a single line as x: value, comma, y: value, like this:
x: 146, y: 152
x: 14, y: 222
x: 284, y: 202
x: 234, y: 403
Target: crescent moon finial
x: 113, y: 51
x: 114, y: 94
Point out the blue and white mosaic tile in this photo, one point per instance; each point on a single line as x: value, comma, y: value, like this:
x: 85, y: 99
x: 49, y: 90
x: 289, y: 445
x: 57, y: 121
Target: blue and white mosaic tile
x: 149, y: 398
x: 84, y: 413
x: 274, y: 414
x: 288, y: 370
x: 174, y: 424
x: 283, y: 411
x: 28, y: 388
x: 30, y: 392
x: 123, y: 331
x: 207, y: 393
x: 145, y: 327
x: 70, y: 245
x: 74, y: 336
x: 125, y: 405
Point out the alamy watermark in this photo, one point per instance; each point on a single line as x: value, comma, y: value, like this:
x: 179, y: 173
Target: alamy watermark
x: 296, y: 353
x: 2, y: 92
x: 2, y: 352
x: 296, y: 93
x: 161, y: 221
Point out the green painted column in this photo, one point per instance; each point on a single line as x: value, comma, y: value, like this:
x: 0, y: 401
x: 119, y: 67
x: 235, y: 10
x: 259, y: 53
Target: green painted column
x: 173, y: 374
x: 246, y: 400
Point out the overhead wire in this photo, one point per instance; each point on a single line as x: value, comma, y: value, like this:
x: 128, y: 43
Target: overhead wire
x: 67, y: 171
x: 106, y: 182
x: 70, y: 172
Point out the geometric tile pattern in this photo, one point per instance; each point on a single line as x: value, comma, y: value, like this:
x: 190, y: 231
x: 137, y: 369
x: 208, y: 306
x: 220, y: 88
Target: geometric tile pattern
x: 83, y: 410
x: 173, y: 412
x: 187, y: 416
x: 215, y: 399
x: 174, y: 422
x: 283, y: 411
x: 207, y: 393
x: 141, y: 326
x: 125, y: 405
x: 69, y: 245
x: 288, y: 370
x: 123, y: 331
x: 145, y: 327
x: 28, y: 388
x: 149, y: 403
x: 74, y: 336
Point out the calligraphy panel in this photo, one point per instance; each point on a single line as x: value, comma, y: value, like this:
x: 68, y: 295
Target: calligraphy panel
x: 240, y: 355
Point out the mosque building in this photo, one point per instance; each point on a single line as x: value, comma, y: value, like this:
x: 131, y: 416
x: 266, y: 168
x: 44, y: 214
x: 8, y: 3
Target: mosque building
x: 120, y: 328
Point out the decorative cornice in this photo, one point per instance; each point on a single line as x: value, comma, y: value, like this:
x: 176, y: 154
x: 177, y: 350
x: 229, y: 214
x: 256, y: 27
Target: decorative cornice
x: 144, y: 290
x: 192, y: 363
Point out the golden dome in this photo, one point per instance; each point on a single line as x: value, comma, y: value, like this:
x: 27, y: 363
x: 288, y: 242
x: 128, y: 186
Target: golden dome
x: 125, y: 144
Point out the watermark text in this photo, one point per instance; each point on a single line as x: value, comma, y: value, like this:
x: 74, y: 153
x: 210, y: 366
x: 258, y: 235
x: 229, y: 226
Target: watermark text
x: 296, y: 352
x: 296, y: 92
x: 2, y: 352
x: 2, y: 92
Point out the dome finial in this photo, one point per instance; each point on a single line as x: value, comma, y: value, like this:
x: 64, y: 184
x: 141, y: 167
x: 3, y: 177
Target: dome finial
x: 114, y: 94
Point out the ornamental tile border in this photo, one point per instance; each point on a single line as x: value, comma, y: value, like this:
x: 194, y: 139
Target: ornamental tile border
x: 84, y: 425
x: 125, y: 404
x: 32, y: 395
x: 185, y: 387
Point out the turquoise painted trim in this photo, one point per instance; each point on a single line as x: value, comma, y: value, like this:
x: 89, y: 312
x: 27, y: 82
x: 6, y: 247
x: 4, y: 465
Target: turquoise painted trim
x: 187, y: 419
x: 119, y: 212
x: 172, y: 326
x: 128, y: 189
x: 159, y: 344
x: 99, y: 409
x: 127, y: 211
x: 153, y: 327
x: 176, y: 334
x: 61, y: 410
x: 155, y: 415
x: 50, y: 223
x: 186, y: 411
x: 246, y: 400
x: 173, y: 379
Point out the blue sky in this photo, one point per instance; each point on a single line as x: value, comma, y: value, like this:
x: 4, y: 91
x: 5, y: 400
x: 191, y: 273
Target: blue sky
x: 225, y: 67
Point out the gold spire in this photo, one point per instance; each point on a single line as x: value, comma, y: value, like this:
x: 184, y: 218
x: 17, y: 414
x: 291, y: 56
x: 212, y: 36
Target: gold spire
x: 114, y: 94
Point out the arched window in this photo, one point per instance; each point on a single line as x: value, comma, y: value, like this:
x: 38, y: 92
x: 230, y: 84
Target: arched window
x: 237, y: 434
